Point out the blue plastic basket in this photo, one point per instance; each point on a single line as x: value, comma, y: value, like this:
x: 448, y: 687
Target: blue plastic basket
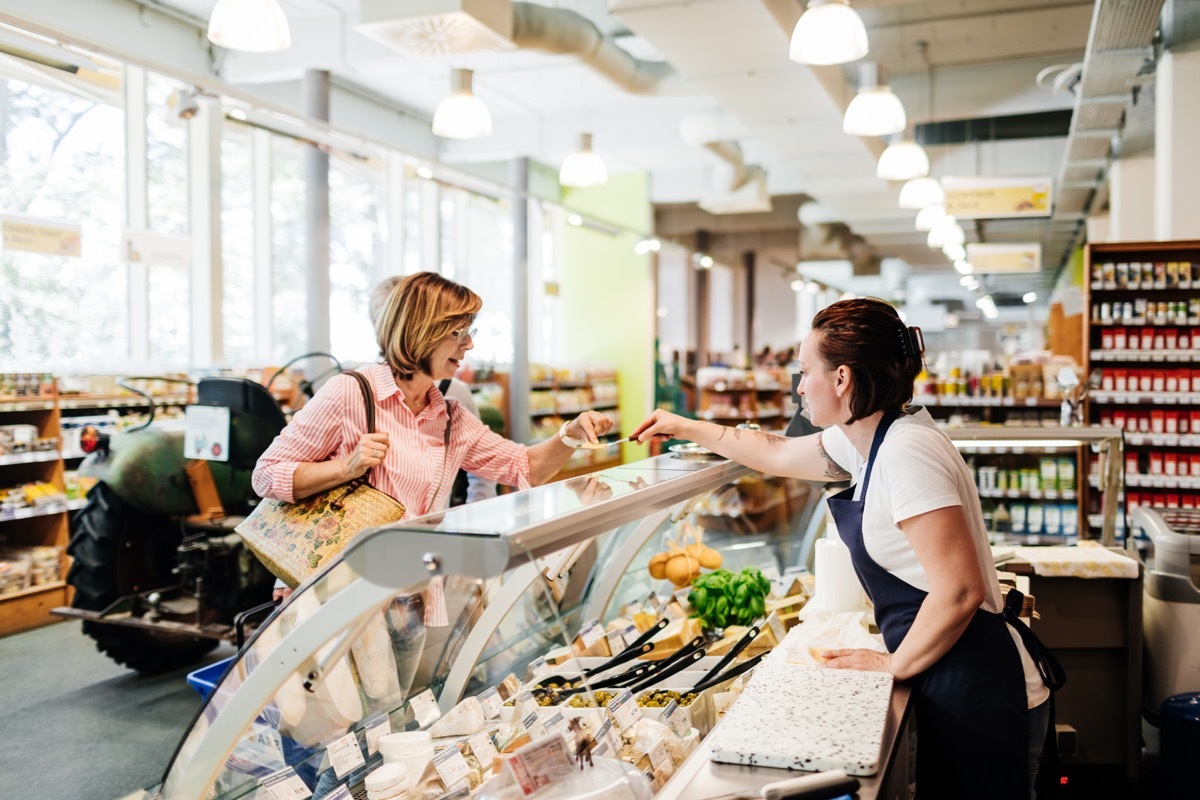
x: 205, y: 679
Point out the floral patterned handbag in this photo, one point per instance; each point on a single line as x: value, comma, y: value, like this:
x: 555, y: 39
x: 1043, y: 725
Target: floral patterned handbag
x: 293, y: 540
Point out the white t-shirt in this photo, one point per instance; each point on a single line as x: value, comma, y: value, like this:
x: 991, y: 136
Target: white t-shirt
x: 918, y: 470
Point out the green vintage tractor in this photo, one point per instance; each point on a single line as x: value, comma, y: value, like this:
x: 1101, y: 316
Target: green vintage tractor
x: 159, y: 575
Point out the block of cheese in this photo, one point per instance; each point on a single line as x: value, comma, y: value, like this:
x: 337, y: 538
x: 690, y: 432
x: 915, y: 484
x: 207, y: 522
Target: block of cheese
x: 765, y: 640
x: 599, y: 648
x: 464, y: 719
x: 618, y: 624
x: 673, y: 637
x: 509, y: 687
x: 644, y: 622
x: 733, y: 634
x: 785, y: 605
x: 558, y: 656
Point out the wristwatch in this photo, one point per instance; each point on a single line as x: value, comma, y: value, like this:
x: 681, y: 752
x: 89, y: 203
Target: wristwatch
x: 569, y: 441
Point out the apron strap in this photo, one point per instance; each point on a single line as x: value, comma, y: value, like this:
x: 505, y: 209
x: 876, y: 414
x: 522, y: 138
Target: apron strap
x: 885, y: 423
x: 1053, y: 675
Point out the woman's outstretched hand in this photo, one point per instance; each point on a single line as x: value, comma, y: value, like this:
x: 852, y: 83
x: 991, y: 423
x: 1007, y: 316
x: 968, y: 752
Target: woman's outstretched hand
x: 660, y: 425
x: 589, y: 426
x: 860, y: 659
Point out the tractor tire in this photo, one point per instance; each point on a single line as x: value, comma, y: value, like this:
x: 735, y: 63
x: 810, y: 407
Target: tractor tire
x: 118, y: 550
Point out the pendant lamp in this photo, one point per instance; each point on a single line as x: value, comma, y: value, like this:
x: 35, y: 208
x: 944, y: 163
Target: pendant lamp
x: 875, y: 110
x: 829, y: 32
x: 462, y: 115
x: 930, y: 217
x: 903, y: 160
x: 583, y: 168
x: 921, y: 192
x: 947, y: 231
x: 253, y: 26
x: 954, y: 251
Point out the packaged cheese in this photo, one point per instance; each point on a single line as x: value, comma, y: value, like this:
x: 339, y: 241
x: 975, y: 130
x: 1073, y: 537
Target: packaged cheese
x: 673, y: 637
x: 464, y: 719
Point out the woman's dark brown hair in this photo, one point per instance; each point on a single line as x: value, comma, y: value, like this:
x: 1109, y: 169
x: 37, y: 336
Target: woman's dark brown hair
x: 882, y: 353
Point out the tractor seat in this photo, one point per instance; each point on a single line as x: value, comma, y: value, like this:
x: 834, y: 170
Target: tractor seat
x: 242, y: 397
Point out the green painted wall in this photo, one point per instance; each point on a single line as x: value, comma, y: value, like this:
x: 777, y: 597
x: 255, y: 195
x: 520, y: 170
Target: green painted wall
x: 608, y: 293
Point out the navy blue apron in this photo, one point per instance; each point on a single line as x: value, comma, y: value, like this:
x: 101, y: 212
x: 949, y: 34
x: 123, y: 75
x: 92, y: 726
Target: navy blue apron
x: 971, y: 709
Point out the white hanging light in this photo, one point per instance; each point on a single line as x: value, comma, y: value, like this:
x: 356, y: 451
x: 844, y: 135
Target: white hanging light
x: 875, y: 110
x: 947, y: 231
x: 462, y: 115
x: 921, y: 192
x: 583, y: 168
x: 930, y: 217
x: 253, y: 26
x: 964, y: 267
x: 954, y: 251
x: 902, y: 161
x: 829, y: 32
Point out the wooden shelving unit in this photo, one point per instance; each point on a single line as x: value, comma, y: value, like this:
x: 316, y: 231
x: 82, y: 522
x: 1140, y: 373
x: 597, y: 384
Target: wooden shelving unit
x: 740, y: 397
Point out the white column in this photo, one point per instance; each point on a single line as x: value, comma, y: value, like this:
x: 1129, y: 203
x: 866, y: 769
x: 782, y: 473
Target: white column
x: 204, y: 169
x: 394, y: 246
x: 1131, y: 199
x: 136, y: 205
x: 1176, y: 120
x: 264, y: 332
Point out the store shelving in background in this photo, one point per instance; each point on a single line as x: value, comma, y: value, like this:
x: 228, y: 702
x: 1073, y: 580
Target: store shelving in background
x: 1142, y: 332
x: 732, y: 396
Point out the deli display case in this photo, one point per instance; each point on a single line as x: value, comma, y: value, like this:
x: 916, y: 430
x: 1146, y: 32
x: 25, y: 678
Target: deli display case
x: 536, y: 587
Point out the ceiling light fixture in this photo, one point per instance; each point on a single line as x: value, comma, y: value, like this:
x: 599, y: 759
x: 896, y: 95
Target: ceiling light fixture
x: 921, y: 192
x: 964, y: 267
x: 647, y: 245
x: 828, y: 32
x: 583, y: 168
x: 875, y: 110
x: 186, y: 105
x: 424, y: 172
x: 574, y: 219
x: 930, y: 217
x: 462, y: 115
x: 797, y: 285
x: 903, y: 160
x: 947, y: 231
x: 1029, y: 297
x: 252, y: 26
x: 954, y: 251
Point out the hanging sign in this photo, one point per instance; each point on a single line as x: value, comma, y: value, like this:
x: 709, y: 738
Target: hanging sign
x: 156, y: 250
x: 206, y: 433
x: 33, y: 235
x: 993, y: 198
x: 988, y: 258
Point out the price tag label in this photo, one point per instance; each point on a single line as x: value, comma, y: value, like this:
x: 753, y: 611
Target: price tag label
x: 776, y: 626
x: 675, y: 718
x: 491, y: 702
x: 591, y: 633
x: 540, y: 764
x: 539, y: 667
x: 484, y: 750
x: 625, y: 711
x: 631, y: 634
x: 524, y: 703
x: 616, y: 641
x: 655, y: 602
x: 286, y: 785
x: 425, y: 709
x: 660, y: 758
x: 532, y: 723
x: 376, y: 729
x: 345, y: 755
x: 681, y: 597
x: 603, y: 737
x: 555, y: 723
x: 451, y: 766
x: 340, y: 793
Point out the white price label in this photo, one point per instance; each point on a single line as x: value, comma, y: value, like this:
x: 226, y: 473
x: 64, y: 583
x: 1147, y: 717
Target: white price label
x: 591, y: 633
x: 555, y: 723
x: 616, y: 642
x: 491, y: 702
x: 603, y: 738
x: 286, y: 785
x: 631, y: 634
x: 776, y: 626
x: 655, y: 602
x: 345, y: 755
x: 451, y: 766
x: 681, y: 597
x: 484, y: 750
x: 539, y: 667
x: 533, y: 724
x: 376, y: 729
x: 540, y: 764
x: 524, y: 703
x: 624, y: 709
x: 675, y: 719
x: 425, y: 708
x: 660, y: 758
x: 340, y: 793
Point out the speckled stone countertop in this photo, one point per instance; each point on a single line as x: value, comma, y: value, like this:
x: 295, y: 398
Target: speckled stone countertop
x: 805, y: 718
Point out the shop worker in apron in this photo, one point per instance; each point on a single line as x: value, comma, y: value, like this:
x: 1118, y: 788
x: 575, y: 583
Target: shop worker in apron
x: 915, y: 530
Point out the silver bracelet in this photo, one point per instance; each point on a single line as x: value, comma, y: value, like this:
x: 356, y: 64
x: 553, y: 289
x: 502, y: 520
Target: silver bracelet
x: 569, y: 441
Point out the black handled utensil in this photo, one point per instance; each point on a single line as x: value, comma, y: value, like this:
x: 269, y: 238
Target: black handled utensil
x: 648, y: 634
x: 733, y: 672
x: 663, y: 674
x: 607, y: 683
x: 628, y: 654
x: 725, y: 661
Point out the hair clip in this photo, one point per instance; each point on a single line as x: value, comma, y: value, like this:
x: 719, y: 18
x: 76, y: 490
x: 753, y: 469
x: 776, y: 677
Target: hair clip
x: 912, y: 341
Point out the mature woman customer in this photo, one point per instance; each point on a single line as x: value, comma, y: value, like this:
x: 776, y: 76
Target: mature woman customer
x: 915, y: 530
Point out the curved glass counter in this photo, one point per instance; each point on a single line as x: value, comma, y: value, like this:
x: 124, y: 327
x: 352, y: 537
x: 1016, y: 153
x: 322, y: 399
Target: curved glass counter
x: 358, y: 650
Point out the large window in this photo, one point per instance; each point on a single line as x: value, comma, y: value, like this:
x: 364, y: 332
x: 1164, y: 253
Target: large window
x: 357, y: 257
x: 288, y: 282
x: 62, y: 158
x: 237, y: 244
x: 487, y: 270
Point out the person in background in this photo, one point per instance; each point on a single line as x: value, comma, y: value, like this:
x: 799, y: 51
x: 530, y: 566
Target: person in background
x: 914, y: 526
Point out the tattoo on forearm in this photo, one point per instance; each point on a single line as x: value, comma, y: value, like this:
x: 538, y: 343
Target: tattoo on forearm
x: 769, y: 439
x: 833, y: 470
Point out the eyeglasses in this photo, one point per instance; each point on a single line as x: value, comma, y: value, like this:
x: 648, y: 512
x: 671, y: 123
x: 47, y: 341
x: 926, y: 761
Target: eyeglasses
x: 464, y: 334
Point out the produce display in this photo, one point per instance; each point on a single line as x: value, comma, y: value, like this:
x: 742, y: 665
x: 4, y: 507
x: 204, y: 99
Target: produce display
x: 722, y: 598
x: 662, y: 697
x: 681, y: 563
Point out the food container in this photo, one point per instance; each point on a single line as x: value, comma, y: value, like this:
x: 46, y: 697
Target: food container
x: 388, y: 782
x: 413, y: 749
x: 697, y: 713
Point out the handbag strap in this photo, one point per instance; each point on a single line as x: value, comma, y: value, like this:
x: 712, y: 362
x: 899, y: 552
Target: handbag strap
x: 369, y: 401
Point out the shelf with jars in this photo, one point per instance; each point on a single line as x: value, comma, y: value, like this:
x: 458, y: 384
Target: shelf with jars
x: 1142, y: 343
x: 732, y: 396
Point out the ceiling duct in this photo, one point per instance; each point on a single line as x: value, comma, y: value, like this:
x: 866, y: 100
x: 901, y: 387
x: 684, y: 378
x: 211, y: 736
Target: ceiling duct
x: 449, y: 28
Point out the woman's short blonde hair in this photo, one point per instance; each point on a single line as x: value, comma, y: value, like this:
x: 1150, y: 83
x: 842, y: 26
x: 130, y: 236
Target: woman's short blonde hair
x: 413, y: 314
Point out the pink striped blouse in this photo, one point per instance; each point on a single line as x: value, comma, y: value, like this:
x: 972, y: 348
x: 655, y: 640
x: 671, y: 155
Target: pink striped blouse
x: 417, y: 470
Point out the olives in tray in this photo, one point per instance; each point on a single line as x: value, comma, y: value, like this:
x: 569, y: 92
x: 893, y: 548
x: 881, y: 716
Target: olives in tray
x: 661, y: 698
x: 602, y: 698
